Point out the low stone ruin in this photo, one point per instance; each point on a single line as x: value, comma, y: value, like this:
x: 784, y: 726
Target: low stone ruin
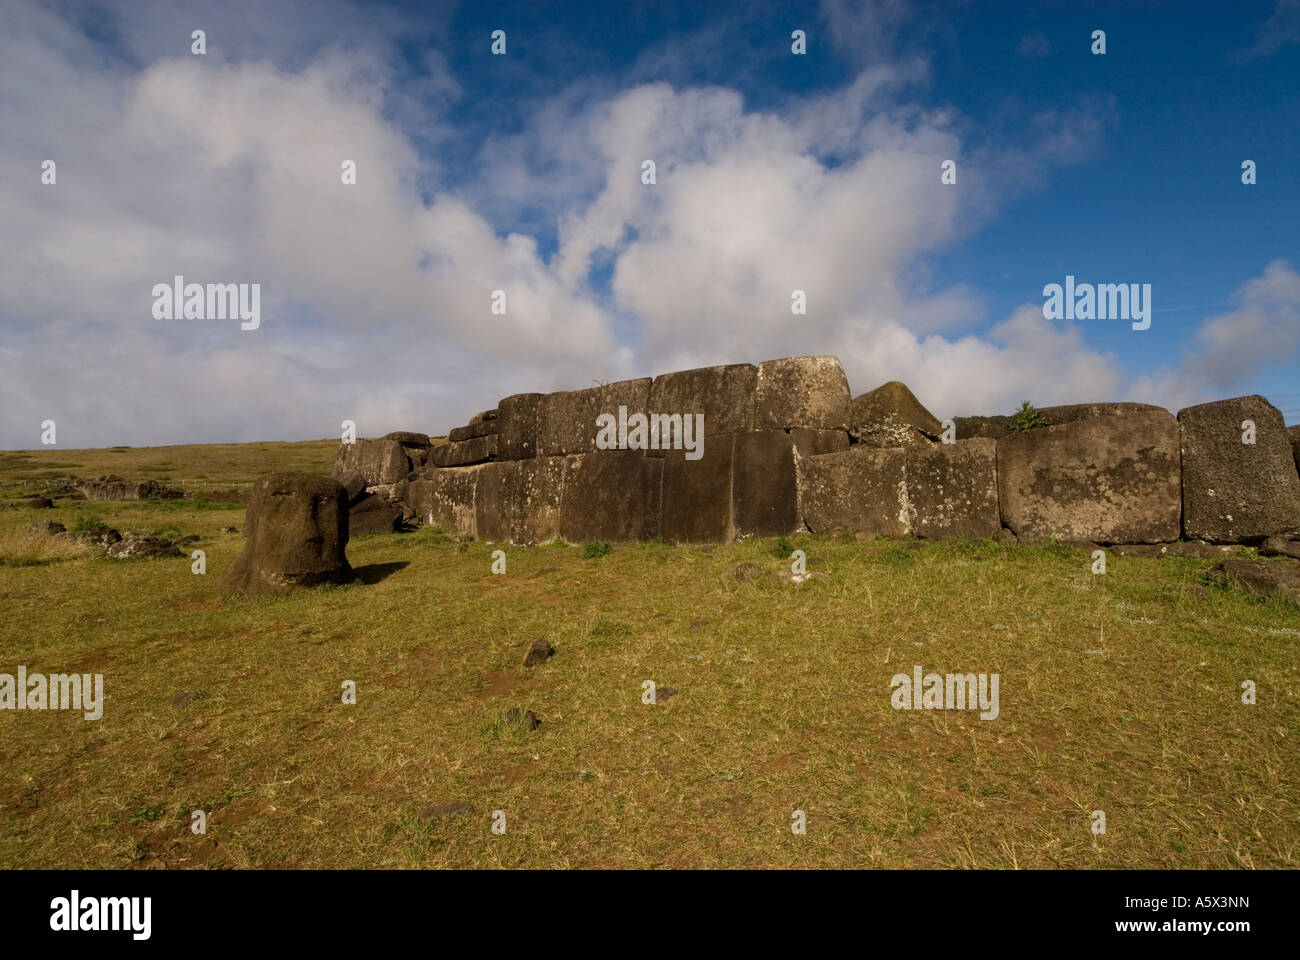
x: 117, y: 488
x: 786, y: 449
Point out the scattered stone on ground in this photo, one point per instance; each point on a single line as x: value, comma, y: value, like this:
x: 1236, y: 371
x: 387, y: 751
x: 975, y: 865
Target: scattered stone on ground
x: 746, y: 571
x: 134, y: 546
x: 40, y: 503
x: 538, y: 650
x: 1264, y: 577
x: 50, y: 528
x: 663, y: 693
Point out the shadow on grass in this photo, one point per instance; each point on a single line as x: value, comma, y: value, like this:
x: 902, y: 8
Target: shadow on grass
x: 375, y: 572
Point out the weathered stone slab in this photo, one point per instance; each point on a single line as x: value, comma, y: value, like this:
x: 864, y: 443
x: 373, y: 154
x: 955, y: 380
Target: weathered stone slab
x: 466, y: 452
x: 611, y: 495
x: 764, y: 486
x: 697, y: 494
x: 1235, y: 492
x: 480, y: 428
x: 538, y: 486
x: 295, y: 535
x: 445, y: 498
x: 517, y: 426
x: 1110, y: 479
x: 1294, y: 434
x: 376, y: 461
x: 891, y: 416
x: 492, y: 501
x: 518, y: 501
x: 725, y: 395
x: 566, y: 421
x: 932, y: 491
x: 483, y: 415
x: 1073, y: 412
x: 801, y: 392
x: 855, y: 491
x: 373, y: 514
x: 951, y: 490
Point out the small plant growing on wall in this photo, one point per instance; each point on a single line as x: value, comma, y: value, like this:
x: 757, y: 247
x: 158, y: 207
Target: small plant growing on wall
x: 1027, y: 418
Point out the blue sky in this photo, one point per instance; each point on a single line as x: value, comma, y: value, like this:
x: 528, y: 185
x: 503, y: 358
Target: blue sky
x: 520, y: 172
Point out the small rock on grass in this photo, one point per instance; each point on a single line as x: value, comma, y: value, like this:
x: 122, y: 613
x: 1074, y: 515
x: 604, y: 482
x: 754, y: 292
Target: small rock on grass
x: 538, y: 650
x: 429, y: 814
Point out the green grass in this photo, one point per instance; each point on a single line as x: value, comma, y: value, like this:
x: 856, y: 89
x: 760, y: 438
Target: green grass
x: 1118, y: 692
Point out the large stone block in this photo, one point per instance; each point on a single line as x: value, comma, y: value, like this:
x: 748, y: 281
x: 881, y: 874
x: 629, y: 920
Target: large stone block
x: 1235, y: 492
x: 697, y: 494
x: 492, y: 501
x: 611, y: 495
x: 412, y: 441
x: 375, y: 461
x: 464, y: 453
x: 374, y: 514
x: 951, y: 490
x: 518, y: 501
x: 445, y: 498
x: 1109, y: 479
x: 855, y: 491
x: 725, y: 395
x: 801, y: 392
x: 891, y: 416
x: 932, y: 491
x: 765, y: 497
x: 1294, y: 434
x: 1073, y: 412
x: 295, y: 535
x: 480, y: 428
x: 538, y: 486
x: 566, y: 421
x: 517, y: 426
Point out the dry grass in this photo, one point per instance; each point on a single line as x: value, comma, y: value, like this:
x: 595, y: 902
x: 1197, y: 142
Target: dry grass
x: 21, y: 547
x: 1118, y: 692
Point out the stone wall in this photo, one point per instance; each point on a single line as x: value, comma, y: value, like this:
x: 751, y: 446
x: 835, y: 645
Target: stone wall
x: 786, y: 449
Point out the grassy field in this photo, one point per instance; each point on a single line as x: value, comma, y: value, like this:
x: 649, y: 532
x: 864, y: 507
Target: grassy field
x: 1119, y: 692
